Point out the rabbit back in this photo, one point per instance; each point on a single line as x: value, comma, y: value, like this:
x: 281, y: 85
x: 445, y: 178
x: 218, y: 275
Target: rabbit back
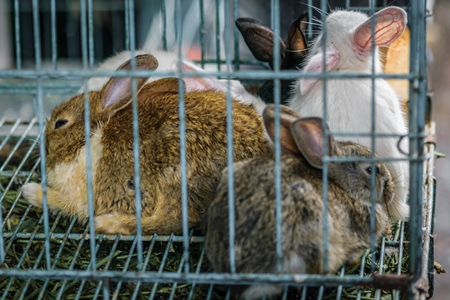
x: 302, y: 239
x: 206, y: 153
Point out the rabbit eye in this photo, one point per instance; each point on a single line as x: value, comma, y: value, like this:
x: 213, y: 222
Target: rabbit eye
x: 60, y: 123
x: 369, y: 170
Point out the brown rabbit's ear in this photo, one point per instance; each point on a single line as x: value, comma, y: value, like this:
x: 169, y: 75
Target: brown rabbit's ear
x: 296, y: 35
x: 308, y: 135
x: 119, y: 88
x: 259, y: 40
x: 287, y: 117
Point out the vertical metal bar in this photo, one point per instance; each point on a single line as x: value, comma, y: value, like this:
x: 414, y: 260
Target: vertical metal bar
x: 62, y: 288
x: 416, y: 119
x: 39, y: 258
x: 136, y: 151
x: 310, y: 16
x: 54, y: 34
x: 197, y: 271
x: 90, y: 35
x: 57, y: 256
x: 372, y: 141
x: 127, y: 26
x: 361, y: 273
x: 275, y: 20
x: 183, y: 159
x: 125, y: 269
x: 381, y: 265
x: 103, y: 284
x: 218, y: 35
x: 162, y: 264
x: 164, y: 19
x: 202, y: 32
x: 17, y: 35
x: 230, y: 155
x: 237, y: 59
x: 105, y: 290
x: 83, y: 282
x: 175, y: 284
x: 325, y: 146
x: 147, y: 258
x: 339, y: 289
x: 40, y: 111
x: 87, y: 133
x: 400, y: 256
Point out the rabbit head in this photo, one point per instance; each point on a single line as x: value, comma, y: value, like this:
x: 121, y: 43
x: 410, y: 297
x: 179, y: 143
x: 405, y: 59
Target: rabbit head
x: 64, y: 132
x: 304, y: 137
x: 349, y: 41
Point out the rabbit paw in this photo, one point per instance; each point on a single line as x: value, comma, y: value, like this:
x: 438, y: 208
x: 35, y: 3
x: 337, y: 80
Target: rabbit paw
x: 32, y: 192
x: 111, y: 224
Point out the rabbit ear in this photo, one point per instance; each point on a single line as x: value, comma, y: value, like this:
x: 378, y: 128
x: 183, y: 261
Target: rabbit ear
x: 259, y: 40
x: 119, y: 88
x: 308, y: 135
x: 203, y: 82
x: 287, y: 117
x: 389, y: 25
x: 296, y: 35
x: 314, y: 65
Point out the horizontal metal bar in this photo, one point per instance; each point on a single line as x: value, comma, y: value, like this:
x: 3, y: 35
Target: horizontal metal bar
x: 205, y: 278
x: 253, y: 74
x: 341, y: 159
x: 80, y: 236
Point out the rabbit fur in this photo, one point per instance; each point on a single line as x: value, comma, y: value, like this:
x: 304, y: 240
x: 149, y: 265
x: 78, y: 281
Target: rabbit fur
x: 349, y: 101
x: 259, y: 40
x: 348, y: 215
x: 169, y: 62
x: 112, y: 153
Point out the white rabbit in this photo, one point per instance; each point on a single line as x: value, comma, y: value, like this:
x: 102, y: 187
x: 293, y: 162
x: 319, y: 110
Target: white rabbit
x: 168, y: 61
x: 349, y: 101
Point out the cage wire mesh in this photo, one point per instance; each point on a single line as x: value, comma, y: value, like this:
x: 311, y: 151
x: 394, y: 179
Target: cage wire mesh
x: 47, y: 255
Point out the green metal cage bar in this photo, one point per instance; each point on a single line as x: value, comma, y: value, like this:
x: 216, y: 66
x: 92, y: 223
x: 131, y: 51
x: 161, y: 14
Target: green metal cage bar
x: 53, y: 253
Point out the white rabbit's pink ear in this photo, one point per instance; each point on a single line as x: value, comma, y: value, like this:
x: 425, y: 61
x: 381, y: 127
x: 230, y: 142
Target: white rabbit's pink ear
x: 200, y: 83
x: 389, y: 25
x: 308, y: 135
x: 119, y: 88
x: 315, y: 65
x: 287, y: 117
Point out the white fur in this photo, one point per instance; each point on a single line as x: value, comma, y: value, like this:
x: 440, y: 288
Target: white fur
x: 165, y: 62
x: 33, y: 193
x: 349, y: 102
x: 168, y: 61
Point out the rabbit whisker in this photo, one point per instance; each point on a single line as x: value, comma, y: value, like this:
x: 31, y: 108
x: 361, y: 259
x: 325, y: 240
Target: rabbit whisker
x: 296, y: 51
x: 319, y: 10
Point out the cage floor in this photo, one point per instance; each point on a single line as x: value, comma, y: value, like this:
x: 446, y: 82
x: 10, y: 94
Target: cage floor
x: 24, y: 247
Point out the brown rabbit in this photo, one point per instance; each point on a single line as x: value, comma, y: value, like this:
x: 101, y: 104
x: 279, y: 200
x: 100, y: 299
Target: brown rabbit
x: 349, y: 206
x: 112, y: 153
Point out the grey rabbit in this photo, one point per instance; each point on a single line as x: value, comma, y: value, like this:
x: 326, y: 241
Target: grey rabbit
x: 259, y: 40
x: 349, y: 205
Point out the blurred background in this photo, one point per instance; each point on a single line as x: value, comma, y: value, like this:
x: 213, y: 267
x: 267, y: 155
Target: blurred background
x: 17, y: 51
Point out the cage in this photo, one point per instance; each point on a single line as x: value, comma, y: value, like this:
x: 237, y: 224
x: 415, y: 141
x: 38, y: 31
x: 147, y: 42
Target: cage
x: 54, y: 49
